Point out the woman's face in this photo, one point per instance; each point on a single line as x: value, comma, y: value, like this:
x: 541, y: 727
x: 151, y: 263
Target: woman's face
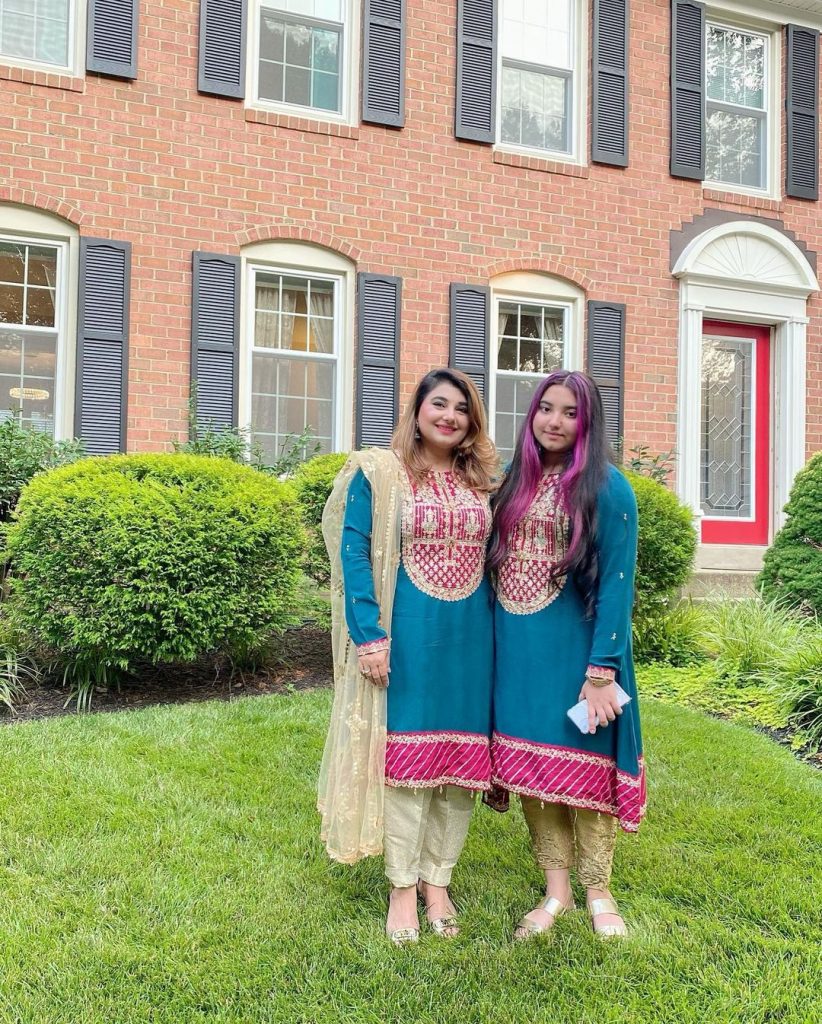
x: 555, y: 422
x: 443, y: 417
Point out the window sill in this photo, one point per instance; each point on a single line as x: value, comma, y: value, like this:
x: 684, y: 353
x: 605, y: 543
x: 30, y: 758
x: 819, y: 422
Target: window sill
x: 49, y: 79
x: 716, y: 195
x: 301, y: 124
x: 539, y: 163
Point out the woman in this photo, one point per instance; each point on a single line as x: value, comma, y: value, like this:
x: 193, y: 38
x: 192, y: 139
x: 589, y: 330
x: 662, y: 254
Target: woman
x: 406, y: 532
x: 563, y: 553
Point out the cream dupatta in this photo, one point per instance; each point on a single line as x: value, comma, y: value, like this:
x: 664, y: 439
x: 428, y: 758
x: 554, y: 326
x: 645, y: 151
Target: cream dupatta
x: 352, y: 774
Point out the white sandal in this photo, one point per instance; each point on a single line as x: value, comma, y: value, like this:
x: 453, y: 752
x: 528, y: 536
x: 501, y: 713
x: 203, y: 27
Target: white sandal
x: 606, y: 905
x: 527, y: 929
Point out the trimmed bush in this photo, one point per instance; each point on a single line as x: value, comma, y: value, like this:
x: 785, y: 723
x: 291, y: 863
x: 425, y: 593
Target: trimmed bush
x: 666, y: 547
x: 155, y: 557
x: 792, y: 571
x: 24, y: 453
x: 313, y: 482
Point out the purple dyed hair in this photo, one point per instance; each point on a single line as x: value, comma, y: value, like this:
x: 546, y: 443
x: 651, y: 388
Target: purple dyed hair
x: 579, y: 481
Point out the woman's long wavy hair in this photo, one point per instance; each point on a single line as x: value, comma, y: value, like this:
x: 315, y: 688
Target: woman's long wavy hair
x: 579, y: 483
x: 476, y: 457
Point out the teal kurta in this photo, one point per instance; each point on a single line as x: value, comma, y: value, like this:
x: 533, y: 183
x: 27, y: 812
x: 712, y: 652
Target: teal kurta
x: 544, y: 644
x: 439, y: 693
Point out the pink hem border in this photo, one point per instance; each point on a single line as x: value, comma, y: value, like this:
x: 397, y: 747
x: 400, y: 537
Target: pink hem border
x: 424, y: 760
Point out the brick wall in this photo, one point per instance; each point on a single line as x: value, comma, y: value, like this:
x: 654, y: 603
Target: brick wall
x: 156, y: 163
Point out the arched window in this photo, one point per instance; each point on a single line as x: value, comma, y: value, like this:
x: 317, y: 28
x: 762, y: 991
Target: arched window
x: 296, y: 370
x: 536, y: 327
x: 38, y: 274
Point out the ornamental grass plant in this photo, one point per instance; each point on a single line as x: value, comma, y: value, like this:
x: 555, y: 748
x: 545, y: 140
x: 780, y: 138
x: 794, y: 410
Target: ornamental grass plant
x: 158, y: 558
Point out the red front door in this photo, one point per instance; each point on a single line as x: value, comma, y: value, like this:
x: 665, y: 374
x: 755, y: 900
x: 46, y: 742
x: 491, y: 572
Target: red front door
x: 736, y: 428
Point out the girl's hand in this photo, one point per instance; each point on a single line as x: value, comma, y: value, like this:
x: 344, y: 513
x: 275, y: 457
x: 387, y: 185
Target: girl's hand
x: 375, y: 667
x: 603, y: 706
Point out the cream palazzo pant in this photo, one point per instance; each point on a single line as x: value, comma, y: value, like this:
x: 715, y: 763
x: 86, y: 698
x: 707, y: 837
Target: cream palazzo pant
x: 562, y: 836
x: 425, y: 832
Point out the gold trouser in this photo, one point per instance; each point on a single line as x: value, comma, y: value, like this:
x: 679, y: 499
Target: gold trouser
x: 425, y: 832
x: 562, y: 836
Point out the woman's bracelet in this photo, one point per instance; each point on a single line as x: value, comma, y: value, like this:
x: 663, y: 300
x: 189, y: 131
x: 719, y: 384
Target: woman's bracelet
x: 599, y: 675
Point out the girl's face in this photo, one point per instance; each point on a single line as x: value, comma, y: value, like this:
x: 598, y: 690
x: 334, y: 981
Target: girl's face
x: 555, y: 423
x: 443, y: 417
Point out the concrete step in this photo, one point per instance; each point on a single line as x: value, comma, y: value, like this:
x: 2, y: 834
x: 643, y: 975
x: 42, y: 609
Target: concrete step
x: 706, y: 584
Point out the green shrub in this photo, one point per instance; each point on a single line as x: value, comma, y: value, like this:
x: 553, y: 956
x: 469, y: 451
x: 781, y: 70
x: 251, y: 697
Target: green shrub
x: 797, y: 684
x: 313, y: 482
x: 23, y: 453
x: 671, y: 635
x: 666, y: 546
x: 792, y: 570
x: 157, y: 557
x: 749, y: 638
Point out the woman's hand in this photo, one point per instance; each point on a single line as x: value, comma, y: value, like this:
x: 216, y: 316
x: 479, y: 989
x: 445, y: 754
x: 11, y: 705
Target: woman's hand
x: 603, y: 706
x: 374, y: 667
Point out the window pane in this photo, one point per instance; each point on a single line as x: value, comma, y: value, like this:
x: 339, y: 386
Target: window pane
x: 289, y: 395
x: 12, y: 263
x: 533, y: 109
x: 272, y: 35
x: 735, y: 67
x: 35, y: 31
x: 735, y: 148
x: 297, y: 86
x: 325, y: 91
x: 39, y: 307
x: 537, y: 31
x: 727, y: 437
x: 42, y: 266
x: 298, y: 45
x: 27, y: 369
x: 507, y: 354
x: 11, y: 304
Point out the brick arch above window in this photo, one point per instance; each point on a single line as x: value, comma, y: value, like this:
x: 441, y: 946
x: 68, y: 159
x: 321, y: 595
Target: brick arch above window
x: 44, y: 203
x: 551, y: 267
x: 310, y: 236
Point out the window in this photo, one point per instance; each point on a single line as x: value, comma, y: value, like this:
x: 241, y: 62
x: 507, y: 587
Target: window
x: 294, y: 364
x: 36, y: 31
x: 29, y: 331
x: 302, y: 54
x: 530, y: 343
x: 537, y: 80
x: 736, y: 96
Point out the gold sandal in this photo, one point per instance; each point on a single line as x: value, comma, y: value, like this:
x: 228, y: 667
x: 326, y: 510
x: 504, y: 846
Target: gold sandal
x: 526, y: 929
x: 440, y: 925
x: 606, y: 905
x: 401, y: 936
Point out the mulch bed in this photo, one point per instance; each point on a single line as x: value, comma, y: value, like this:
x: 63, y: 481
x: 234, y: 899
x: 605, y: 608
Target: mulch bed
x: 302, y: 661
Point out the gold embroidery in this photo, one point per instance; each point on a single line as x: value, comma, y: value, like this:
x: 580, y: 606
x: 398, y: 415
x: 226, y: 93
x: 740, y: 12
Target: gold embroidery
x: 438, y: 737
x: 445, y: 526
x: 524, y: 581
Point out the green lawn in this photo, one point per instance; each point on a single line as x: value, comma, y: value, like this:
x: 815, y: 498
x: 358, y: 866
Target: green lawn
x: 163, y: 866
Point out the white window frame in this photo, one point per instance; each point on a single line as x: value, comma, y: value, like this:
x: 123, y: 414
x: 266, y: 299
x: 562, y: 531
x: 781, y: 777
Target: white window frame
x: 533, y: 288
x: 349, y: 63
x: 578, y: 106
x: 33, y: 227
x: 75, y: 48
x: 296, y: 259
x: 771, y: 189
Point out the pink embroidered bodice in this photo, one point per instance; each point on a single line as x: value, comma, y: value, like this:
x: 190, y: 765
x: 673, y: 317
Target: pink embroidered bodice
x: 524, y: 583
x: 445, y: 527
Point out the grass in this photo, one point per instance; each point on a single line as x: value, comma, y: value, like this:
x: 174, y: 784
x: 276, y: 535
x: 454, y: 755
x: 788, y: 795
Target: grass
x: 163, y: 866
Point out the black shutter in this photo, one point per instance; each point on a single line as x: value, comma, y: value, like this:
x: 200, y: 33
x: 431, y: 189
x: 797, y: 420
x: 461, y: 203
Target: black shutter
x: 476, y: 69
x: 111, y: 37
x: 606, y: 361
x: 215, y: 339
x: 802, y: 105
x: 383, y: 62
x: 687, y: 89
x: 468, y: 343
x: 221, y: 68
x: 378, y: 343
x: 102, y: 345
x: 609, y: 70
